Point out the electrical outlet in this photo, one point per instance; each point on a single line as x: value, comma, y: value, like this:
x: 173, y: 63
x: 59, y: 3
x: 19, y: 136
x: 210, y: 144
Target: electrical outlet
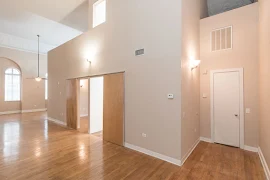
x: 144, y: 135
x: 195, y: 130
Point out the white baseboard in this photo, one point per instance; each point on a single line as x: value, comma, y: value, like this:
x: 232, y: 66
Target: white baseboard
x: 34, y: 110
x: 249, y: 148
x: 206, y: 139
x: 57, y: 121
x: 83, y: 115
x: 265, y: 166
x: 154, y: 154
x: 10, y: 112
x: 190, y: 151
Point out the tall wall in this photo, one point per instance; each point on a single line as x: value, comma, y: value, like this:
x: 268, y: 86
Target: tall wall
x: 243, y: 55
x: 264, y: 78
x: 190, y: 90
x: 149, y: 78
x: 32, y: 92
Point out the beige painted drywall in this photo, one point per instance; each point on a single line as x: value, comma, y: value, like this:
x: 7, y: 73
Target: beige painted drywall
x: 264, y: 78
x: 190, y: 91
x: 244, y: 54
x: 84, y: 97
x: 32, y: 92
x: 148, y: 79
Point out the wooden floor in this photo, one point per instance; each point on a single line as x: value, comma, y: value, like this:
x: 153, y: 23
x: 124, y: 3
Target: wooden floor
x: 32, y: 148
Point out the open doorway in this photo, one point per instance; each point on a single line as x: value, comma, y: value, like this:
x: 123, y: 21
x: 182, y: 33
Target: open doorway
x: 96, y: 106
x: 83, y: 123
x: 105, y: 111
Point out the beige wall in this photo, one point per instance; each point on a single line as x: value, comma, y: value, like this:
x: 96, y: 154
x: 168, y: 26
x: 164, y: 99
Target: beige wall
x: 84, y: 97
x: 33, y: 93
x: 148, y: 79
x: 244, y: 54
x: 190, y: 90
x: 264, y: 78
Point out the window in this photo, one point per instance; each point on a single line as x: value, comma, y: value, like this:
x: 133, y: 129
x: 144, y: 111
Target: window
x: 12, y: 85
x: 99, y: 12
x: 46, y: 87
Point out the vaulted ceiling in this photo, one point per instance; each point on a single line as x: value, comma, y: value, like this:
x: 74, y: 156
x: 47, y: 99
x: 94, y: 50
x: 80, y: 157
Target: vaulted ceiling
x: 56, y: 21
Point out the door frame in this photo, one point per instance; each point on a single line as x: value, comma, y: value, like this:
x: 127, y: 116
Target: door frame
x: 242, y: 115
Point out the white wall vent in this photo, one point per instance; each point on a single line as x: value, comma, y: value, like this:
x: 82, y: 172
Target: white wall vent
x: 222, y: 39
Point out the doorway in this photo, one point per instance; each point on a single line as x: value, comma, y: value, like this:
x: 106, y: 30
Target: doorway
x: 83, y: 122
x: 106, y: 106
x: 96, y: 106
x: 227, y: 107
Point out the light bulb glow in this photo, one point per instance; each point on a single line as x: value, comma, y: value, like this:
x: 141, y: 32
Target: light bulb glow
x: 194, y: 63
x: 38, y: 79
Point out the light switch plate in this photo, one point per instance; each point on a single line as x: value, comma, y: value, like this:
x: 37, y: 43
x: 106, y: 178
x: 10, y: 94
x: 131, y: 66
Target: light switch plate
x: 248, y: 110
x: 204, y: 95
x: 170, y: 96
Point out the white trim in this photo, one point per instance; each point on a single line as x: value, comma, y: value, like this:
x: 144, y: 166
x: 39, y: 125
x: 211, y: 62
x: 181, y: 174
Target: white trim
x: 206, y: 139
x: 154, y: 154
x: 34, y: 110
x: 242, y: 118
x: 10, y: 112
x: 265, y: 166
x: 57, y: 121
x: 190, y: 151
x: 250, y: 148
x: 83, y: 115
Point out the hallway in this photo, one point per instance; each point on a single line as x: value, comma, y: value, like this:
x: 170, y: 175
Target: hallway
x: 34, y: 148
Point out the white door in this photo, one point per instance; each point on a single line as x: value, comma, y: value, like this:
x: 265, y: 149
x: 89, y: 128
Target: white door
x: 226, y: 108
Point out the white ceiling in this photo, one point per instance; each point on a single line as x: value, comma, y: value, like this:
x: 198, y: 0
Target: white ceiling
x: 22, y: 20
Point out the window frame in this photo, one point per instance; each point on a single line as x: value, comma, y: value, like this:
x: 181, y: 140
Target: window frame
x: 95, y: 23
x: 12, y: 74
x: 46, y: 86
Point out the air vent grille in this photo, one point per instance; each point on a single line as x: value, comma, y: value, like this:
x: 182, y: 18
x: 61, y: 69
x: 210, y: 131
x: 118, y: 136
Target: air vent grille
x: 221, y: 39
x: 139, y: 52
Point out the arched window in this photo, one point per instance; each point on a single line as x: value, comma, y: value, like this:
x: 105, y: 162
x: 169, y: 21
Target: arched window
x: 12, y: 85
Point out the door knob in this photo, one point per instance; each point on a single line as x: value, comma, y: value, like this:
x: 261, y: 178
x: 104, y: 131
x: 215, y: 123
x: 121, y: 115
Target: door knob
x: 236, y: 115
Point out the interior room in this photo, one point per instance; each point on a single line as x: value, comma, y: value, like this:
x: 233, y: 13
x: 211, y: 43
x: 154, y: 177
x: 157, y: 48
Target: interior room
x: 100, y: 89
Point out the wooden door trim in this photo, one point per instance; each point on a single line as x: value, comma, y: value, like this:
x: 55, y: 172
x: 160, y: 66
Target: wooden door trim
x: 242, y: 118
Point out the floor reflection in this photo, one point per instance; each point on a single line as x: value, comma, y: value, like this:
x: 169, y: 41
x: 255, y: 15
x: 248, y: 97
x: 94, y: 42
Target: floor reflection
x: 11, y: 139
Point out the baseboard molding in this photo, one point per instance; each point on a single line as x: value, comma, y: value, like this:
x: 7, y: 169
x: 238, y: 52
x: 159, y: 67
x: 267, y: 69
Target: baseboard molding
x: 250, y: 148
x: 10, y: 112
x: 57, y: 121
x: 206, y: 139
x: 190, y: 151
x: 154, y: 154
x: 34, y: 110
x: 265, y: 166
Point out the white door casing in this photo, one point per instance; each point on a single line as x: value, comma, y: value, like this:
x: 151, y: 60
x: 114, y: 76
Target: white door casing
x: 227, y: 107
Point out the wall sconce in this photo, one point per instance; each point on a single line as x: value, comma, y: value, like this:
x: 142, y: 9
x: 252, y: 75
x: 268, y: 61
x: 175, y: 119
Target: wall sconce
x: 81, y: 83
x: 194, y: 64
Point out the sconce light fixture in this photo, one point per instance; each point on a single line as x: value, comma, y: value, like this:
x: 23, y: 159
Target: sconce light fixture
x: 194, y: 64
